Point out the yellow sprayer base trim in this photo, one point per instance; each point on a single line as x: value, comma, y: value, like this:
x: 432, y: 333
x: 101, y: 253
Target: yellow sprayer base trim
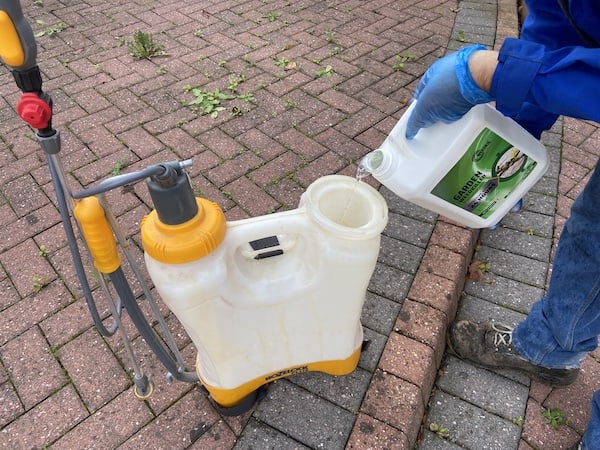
x: 228, y: 398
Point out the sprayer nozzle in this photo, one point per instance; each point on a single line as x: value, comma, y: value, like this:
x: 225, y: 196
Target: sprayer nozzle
x: 166, y: 179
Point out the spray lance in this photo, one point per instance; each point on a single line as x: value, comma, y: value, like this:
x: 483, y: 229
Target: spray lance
x: 18, y: 51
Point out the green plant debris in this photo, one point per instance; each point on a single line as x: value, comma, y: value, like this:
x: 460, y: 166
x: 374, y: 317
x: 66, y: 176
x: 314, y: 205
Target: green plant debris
x: 144, y: 46
x: 555, y: 417
x: 461, y: 36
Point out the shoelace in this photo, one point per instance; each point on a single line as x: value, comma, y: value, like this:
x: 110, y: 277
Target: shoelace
x: 502, y: 336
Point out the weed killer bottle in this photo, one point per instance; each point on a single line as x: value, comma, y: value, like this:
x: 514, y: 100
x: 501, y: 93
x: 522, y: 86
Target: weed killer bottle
x: 472, y: 171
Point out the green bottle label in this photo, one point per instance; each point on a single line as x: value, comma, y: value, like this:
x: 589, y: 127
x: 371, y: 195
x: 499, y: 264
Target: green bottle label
x: 485, y: 175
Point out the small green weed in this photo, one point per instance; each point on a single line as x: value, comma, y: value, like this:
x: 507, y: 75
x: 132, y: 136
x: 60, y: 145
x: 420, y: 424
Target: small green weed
x: 272, y: 16
x: 518, y: 421
x: 282, y: 62
x: 118, y: 167
x: 327, y: 71
x: 290, y: 104
x: 336, y: 51
x: 555, y: 417
x: 38, y: 283
x: 402, y: 59
x: 234, y: 82
x: 43, y: 251
x: 50, y: 30
x: 461, y: 36
x: 144, y: 46
x: 441, y: 431
x: 247, y: 97
x: 208, y: 102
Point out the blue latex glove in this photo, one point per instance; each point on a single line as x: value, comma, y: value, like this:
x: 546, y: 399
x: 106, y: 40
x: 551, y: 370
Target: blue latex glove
x: 446, y: 92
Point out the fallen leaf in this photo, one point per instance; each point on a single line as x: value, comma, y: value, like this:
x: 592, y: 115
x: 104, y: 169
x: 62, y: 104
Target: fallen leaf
x: 475, y: 272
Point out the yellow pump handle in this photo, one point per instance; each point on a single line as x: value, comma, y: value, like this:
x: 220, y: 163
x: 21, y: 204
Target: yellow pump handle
x: 97, y: 234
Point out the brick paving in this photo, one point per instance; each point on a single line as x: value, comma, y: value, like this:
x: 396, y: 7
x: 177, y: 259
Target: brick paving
x: 328, y: 82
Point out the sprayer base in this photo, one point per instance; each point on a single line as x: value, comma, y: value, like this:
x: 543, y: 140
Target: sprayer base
x: 243, y: 397
x: 245, y: 405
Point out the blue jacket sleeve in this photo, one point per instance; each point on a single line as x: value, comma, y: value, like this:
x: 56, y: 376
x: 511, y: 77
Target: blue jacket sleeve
x: 564, y: 81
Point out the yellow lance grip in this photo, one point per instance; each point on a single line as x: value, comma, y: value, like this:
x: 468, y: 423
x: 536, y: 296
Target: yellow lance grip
x: 97, y: 234
x: 11, y: 50
x: 18, y: 49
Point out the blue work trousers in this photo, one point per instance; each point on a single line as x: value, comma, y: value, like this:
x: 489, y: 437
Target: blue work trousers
x: 564, y: 325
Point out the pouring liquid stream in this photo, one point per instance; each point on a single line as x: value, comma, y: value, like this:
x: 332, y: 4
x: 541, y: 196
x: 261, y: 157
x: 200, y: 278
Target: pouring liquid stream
x: 361, y: 172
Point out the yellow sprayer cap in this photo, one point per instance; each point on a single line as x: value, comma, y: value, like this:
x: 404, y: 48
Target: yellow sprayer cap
x: 186, y: 242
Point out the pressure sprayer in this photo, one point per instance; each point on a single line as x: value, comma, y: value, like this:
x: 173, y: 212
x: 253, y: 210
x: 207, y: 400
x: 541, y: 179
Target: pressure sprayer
x: 474, y: 170
x: 261, y: 298
x: 270, y: 296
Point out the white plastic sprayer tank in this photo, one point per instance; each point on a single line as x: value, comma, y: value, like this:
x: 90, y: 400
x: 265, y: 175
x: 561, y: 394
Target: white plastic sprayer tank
x: 279, y: 294
x: 472, y: 171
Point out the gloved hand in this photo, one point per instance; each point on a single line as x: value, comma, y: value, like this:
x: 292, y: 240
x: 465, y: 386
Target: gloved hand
x: 446, y: 92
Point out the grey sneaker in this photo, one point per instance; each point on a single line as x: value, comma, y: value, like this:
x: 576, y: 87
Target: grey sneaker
x: 490, y: 345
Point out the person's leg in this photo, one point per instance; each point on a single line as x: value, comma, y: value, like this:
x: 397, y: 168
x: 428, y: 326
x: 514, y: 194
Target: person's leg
x: 563, y: 326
